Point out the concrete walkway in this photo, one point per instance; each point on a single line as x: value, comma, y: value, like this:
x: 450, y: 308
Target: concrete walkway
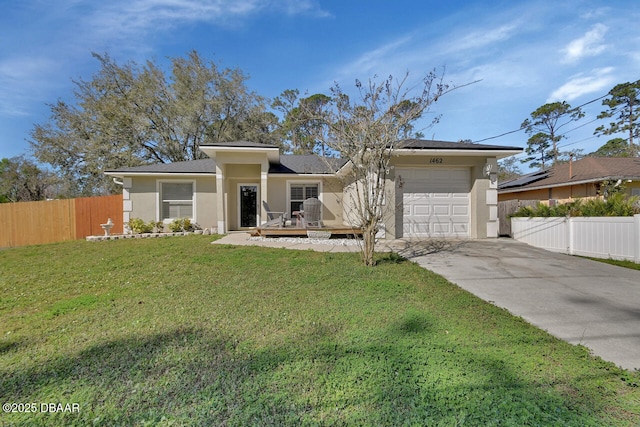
x: 580, y: 301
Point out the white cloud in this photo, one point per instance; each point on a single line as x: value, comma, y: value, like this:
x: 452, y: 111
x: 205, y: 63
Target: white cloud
x: 590, y: 44
x: 374, y: 61
x: 133, y: 16
x: 600, y: 80
x: 484, y: 37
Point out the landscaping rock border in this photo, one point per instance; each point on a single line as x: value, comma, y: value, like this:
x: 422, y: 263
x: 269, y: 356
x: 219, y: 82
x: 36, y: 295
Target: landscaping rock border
x: 308, y: 240
x: 145, y: 235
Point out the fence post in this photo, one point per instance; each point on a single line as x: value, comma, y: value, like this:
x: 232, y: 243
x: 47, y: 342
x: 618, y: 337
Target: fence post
x: 636, y: 235
x: 569, y: 231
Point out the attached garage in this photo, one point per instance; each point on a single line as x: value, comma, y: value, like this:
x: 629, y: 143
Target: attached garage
x: 436, y: 201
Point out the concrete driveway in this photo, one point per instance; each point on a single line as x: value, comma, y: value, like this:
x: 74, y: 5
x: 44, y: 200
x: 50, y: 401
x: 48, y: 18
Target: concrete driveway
x: 578, y: 300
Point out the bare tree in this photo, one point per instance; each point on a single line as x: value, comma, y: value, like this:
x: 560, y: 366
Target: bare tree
x: 366, y: 131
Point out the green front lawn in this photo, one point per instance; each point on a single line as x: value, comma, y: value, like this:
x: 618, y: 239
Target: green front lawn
x: 620, y: 263
x: 176, y: 331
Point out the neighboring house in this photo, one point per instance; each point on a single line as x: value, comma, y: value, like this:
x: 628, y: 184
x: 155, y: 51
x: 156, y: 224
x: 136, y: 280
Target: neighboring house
x: 581, y: 178
x: 435, y: 188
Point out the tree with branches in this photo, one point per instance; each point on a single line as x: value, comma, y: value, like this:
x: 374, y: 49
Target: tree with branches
x: 616, y: 147
x: 302, y: 126
x: 21, y: 180
x: 624, y: 104
x: 539, y: 151
x: 128, y: 115
x: 366, y: 130
x: 544, y: 125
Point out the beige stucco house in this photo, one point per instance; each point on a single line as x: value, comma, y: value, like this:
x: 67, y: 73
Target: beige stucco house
x: 434, y: 188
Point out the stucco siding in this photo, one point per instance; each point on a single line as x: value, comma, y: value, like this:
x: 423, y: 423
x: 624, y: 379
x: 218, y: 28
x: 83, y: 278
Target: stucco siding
x: 206, y: 213
x: 330, y: 195
x: 145, y: 200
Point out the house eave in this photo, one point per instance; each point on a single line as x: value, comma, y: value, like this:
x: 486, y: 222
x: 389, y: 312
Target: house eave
x: 499, y: 154
x: 158, y: 174
x: 273, y: 154
x: 303, y: 175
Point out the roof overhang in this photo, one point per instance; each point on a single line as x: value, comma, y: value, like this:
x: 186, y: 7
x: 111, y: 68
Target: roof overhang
x: 499, y: 154
x: 272, y: 153
x: 302, y: 175
x: 176, y: 175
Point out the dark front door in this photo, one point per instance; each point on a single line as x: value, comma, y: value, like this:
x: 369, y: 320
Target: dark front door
x: 248, y: 206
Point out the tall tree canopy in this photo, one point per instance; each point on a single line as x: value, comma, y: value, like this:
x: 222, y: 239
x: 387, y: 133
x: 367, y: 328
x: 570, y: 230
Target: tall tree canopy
x: 616, y: 147
x: 624, y: 105
x: 303, y: 126
x: 543, y: 127
x: 21, y: 180
x: 128, y: 115
x: 539, y: 151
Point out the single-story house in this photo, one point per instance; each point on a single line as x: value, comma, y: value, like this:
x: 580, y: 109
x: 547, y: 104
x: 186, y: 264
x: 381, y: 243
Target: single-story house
x: 580, y: 178
x: 434, y: 188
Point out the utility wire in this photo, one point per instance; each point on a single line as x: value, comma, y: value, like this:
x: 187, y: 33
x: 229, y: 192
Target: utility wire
x: 573, y: 109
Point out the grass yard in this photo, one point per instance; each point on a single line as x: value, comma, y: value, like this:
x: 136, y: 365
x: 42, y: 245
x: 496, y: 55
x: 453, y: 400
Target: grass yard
x: 176, y: 331
x: 620, y: 263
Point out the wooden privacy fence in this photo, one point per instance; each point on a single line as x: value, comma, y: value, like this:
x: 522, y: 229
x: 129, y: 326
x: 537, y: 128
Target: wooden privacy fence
x: 509, y: 207
x: 32, y: 223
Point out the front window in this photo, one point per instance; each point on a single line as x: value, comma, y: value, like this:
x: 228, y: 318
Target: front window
x: 299, y: 193
x: 177, y: 200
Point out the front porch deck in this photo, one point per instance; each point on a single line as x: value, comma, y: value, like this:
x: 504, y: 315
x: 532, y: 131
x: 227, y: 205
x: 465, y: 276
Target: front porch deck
x: 300, y: 232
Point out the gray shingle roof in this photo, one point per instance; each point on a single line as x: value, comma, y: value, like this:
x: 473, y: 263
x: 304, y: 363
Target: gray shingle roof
x: 292, y: 164
x: 307, y: 164
x: 202, y: 166
x: 427, y: 144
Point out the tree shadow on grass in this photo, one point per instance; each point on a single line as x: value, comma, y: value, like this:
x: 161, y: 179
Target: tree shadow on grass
x: 201, y: 377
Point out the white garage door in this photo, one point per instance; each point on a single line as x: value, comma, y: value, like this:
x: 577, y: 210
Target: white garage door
x: 436, y: 202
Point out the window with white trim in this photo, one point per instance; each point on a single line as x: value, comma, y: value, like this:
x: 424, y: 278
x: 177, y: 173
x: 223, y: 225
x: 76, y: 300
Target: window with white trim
x: 298, y: 193
x: 176, y: 200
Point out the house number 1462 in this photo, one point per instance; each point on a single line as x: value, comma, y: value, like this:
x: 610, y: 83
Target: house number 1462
x: 436, y: 160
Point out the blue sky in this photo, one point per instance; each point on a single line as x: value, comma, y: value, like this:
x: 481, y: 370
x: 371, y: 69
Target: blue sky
x: 524, y: 54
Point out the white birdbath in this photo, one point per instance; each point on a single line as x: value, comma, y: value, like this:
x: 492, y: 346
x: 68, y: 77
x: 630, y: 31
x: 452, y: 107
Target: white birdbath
x: 107, y: 227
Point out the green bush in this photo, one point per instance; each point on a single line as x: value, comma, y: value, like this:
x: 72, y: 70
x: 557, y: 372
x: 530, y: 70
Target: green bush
x: 158, y: 225
x: 182, y: 224
x: 138, y: 226
x: 617, y: 204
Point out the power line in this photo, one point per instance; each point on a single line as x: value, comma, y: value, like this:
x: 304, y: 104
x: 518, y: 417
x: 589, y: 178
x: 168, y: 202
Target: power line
x: 576, y: 142
x: 521, y: 128
x: 578, y: 127
x: 498, y: 136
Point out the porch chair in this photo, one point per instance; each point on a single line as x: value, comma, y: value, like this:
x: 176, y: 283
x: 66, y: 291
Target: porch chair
x: 312, y: 208
x: 274, y: 219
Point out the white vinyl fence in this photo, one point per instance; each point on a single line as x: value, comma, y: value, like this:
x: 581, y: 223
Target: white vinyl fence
x: 598, y: 237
